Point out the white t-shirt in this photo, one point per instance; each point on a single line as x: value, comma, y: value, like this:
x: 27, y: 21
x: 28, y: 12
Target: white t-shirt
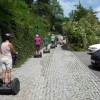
x: 6, y: 51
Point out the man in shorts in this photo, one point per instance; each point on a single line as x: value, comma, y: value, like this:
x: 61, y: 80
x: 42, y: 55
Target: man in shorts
x: 37, y: 43
x: 7, y: 50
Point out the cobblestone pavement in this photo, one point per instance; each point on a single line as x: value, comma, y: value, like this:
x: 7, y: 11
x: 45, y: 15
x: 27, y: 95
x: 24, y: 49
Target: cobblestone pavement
x: 56, y: 76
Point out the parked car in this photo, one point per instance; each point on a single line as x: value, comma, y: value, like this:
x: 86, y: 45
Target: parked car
x: 95, y: 58
x: 93, y: 48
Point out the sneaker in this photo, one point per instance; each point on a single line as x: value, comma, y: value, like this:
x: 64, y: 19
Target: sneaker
x: 0, y: 84
x: 8, y: 85
x: 4, y: 85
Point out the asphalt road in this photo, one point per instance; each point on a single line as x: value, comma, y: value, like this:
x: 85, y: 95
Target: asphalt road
x: 84, y: 57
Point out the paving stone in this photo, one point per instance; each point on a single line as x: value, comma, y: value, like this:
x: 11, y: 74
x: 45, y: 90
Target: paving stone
x: 56, y: 76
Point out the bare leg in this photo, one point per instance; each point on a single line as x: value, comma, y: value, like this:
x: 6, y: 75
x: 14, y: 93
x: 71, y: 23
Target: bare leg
x: 9, y: 75
x: 3, y: 75
x: 36, y: 52
x: 39, y: 50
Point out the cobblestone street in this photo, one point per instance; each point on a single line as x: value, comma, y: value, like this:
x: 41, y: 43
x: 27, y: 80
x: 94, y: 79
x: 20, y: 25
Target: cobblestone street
x: 56, y: 76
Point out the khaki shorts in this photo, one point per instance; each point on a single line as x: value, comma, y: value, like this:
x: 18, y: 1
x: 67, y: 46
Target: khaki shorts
x: 6, y: 64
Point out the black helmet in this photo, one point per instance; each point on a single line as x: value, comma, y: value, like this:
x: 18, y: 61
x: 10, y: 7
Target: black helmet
x: 8, y: 35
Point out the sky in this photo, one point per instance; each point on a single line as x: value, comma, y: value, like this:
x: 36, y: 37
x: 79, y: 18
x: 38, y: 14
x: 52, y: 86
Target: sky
x: 68, y: 5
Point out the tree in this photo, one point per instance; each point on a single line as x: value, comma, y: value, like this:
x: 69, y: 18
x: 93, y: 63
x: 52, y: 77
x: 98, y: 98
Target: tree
x: 83, y: 28
x: 57, y: 16
x: 29, y: 2
x: 5, y: 16
x: 44, y: 1
x: 81, y: 12
x: 52, y: 11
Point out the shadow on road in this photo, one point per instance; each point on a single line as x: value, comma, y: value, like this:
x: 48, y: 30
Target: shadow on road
x: 64, y: 47
x: 89, y: 53
x: 94, y: 67
x: 5, y: 93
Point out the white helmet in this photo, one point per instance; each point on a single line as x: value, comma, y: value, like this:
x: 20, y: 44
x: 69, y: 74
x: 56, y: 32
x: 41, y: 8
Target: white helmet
x: 37, y: 35
x: 8, y: 35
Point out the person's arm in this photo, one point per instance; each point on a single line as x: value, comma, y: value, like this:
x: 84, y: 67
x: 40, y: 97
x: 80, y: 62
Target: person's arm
x: 40, y: 40
x: 12, y: 49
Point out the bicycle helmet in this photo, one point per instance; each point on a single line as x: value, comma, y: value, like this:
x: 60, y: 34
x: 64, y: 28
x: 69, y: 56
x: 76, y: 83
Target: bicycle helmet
x: 37, y: 35
x: 8, y: 35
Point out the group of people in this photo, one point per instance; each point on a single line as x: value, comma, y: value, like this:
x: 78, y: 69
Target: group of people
x: 54, y: 38
x: 7, y: 50
x: 38, y: 42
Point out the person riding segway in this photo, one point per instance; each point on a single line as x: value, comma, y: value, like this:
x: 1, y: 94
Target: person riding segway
x: 7, y: 50
x: 46, y: 50
x: 37, y: 44
x: 52, y: 41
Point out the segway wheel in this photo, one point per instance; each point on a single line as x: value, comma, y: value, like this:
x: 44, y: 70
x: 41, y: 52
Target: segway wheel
x: 40, y: 54
x: 43, y: 51
x: 34, y: 55
x: 15, y: 86
x: 1, y: 82
x: 49, y: 50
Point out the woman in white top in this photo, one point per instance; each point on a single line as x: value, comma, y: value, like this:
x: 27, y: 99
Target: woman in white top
x: 6, y: 58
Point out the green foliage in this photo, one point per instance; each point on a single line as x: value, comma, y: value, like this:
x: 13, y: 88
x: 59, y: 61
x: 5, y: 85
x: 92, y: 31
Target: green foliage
x: 53, y: 12
x: 83, y: 29
x: 26, y: 18
x: 22, y: 21
x: 44, y: 1
x: 5, y: 16
x: 29, y: 2
x: 81, y: 12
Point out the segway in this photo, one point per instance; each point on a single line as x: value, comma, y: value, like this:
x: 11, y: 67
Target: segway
x: 52, y: 46
x: 12, y: 88
x: 46, y: 50
x: 55, y: 44
x: 37, y: 55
